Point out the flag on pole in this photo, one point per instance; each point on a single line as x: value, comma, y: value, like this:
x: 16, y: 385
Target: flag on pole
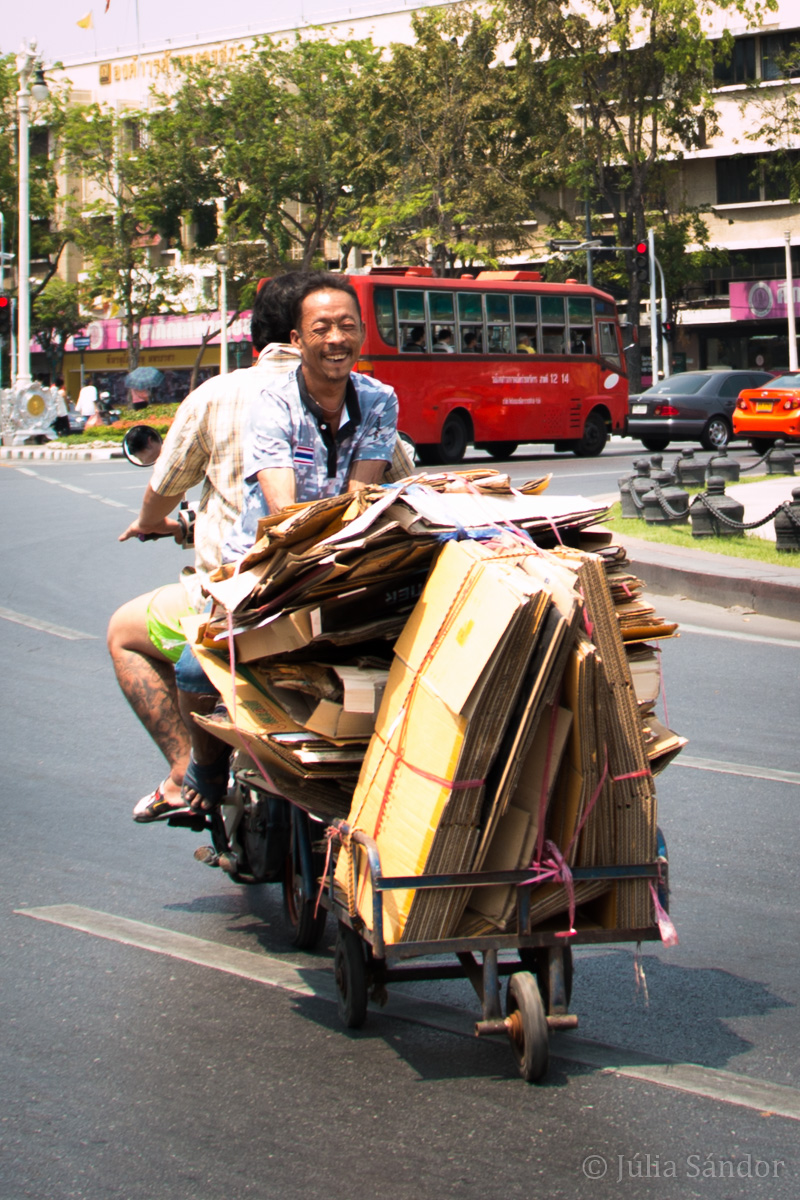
x: 86, y: 22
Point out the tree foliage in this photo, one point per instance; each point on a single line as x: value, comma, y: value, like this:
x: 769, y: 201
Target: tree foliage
x: 461, y: 147
x: 639, y: 82
x: 55, y: 317
x: 116, y: 215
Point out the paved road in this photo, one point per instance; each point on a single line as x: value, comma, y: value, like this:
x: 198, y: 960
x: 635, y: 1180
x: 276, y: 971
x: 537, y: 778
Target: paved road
x: 137, y: 1063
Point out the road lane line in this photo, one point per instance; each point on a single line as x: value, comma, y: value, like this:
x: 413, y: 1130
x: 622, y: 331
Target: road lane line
x: 71, y: 635
x: 729, y: 768
x: 742, y: 1090
x: 70, y: 487
x: 738, y: 637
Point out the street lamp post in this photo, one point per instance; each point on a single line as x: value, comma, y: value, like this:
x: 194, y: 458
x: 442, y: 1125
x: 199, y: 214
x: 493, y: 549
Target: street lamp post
x: 31, y: 83
x: 790, y: 303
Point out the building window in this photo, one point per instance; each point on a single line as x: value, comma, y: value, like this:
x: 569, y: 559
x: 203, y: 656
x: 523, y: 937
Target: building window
x: 740, y: 67
x: 738, y: 180
x: 780, y: 56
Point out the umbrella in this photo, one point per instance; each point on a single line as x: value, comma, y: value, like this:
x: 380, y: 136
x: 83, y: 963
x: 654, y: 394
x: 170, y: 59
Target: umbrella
x: 144, y: 378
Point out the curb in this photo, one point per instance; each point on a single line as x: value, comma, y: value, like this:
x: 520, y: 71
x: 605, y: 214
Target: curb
x: 63, y: 454
x: 716, y: 578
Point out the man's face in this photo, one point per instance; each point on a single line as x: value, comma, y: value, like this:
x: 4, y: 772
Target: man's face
x: 330, y: 335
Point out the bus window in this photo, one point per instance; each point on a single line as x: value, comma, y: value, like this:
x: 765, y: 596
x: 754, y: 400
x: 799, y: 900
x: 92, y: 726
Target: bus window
x: 440, y: 308
x: 579, y: 309
x: 609, y: 347
x: 498, y: 317
x: 411, y: 318
x: 384, y: 315
x: 526, y: 325
x: 471, y: 339
x: 470, y: 320
x: 553, y: 325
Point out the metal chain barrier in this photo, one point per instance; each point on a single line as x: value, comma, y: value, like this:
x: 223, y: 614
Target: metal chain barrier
x: 725, y: 520
x: 665, y: 504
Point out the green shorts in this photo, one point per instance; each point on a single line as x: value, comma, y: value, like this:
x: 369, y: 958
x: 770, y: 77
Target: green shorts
x: 164, y: 612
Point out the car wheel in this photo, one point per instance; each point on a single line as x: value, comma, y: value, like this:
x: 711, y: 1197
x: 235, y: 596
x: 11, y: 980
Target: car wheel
x: 716, y: 434
x: 595, y: 436
x: 656, y: 444
x: 762, y: 445
x: 499, y: 450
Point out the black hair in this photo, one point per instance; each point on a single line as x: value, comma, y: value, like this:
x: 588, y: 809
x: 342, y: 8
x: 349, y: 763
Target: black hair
x: 321, y: 281
x: 273, y: 309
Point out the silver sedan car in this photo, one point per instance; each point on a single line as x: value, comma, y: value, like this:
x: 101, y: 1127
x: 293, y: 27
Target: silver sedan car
x: 695, y: 406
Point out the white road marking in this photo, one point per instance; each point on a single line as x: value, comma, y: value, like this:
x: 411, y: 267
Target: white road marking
x: 729, y: 768
x: 69, y: 487
x: 739, y: 637
x: 756, y: 1094
x: 71, y: 635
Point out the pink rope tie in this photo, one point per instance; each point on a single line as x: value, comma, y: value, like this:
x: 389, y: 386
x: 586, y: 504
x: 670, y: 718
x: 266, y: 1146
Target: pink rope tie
x: 669, y: 934
x: 555, y: 869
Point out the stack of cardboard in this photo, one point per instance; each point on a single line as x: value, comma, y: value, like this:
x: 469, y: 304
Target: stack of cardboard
x: 432, y: 662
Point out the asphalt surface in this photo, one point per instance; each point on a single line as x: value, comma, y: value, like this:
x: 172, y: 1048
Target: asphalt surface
x: 162, y: 1040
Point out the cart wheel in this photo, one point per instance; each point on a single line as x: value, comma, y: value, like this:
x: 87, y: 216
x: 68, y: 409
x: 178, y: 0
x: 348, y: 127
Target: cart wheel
x: 307, y: 926
x: 529, y: 1034
x: 536, y: 961
x: 350, y: 972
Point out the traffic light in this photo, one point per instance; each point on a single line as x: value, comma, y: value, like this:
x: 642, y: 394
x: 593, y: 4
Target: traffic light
x: 641, y: 262
x: 668, y: 330
x: 5, y: 317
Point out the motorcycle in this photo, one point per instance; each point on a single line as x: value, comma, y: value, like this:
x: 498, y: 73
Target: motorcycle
x: 257, y: 836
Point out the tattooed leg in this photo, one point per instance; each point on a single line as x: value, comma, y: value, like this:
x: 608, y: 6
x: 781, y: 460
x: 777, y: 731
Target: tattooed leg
x: 147, y: 679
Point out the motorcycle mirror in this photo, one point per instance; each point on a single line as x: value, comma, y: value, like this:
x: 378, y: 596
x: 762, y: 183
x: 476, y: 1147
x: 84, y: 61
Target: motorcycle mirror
x: 142, y: 445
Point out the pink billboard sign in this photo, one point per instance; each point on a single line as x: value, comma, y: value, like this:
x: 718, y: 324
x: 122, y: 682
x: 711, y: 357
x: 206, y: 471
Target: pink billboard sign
x: 764, y: 300
x: 162, y: 331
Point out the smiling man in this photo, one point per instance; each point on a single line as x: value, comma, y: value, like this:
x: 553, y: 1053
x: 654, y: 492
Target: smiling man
x: 327, y: 429
x: 324, y: 431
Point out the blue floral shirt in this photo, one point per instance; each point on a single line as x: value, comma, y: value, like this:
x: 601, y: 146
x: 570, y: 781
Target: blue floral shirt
x: 287, y: 429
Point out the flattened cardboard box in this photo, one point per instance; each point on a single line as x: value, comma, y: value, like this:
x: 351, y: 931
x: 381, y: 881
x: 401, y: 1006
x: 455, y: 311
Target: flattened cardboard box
x: 449, y: 639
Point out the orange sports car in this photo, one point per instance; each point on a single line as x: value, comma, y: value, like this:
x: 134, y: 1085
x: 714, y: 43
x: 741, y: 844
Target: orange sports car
x: 772, y: 411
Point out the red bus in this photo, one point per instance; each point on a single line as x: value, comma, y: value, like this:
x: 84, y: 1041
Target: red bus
x: 495, y: 360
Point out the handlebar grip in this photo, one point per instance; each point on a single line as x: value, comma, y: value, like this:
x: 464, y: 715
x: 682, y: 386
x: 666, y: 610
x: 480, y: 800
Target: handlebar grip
x: 152, y: 537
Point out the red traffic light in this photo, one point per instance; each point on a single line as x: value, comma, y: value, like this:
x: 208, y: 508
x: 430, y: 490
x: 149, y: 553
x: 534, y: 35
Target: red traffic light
x: 4, y: 302
x: 642, y: 248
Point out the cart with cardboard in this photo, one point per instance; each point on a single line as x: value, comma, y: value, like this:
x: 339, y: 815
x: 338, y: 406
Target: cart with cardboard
x: 503, y: 809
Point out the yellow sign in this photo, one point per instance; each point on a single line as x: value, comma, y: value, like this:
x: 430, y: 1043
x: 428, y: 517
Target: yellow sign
x: 36, y: 406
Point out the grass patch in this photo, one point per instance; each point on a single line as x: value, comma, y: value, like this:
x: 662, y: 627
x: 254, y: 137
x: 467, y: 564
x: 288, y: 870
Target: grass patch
x: 749, y: 546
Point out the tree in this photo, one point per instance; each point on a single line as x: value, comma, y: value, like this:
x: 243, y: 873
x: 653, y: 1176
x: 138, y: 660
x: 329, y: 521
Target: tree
x: 638, y: 80
x: 116, y: 215
x: 461, y: 157
x: 55, y: 317
x: 281, y: 137
x: 47, y: 239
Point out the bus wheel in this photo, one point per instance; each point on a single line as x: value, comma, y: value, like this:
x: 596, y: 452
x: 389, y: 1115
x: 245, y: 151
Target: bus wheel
x: 499, y: 450
x: 454, y: 439
x: 595, y: 436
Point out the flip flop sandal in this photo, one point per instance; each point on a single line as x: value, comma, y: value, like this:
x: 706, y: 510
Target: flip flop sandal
x: 209, y: 780
x: 154, y: 807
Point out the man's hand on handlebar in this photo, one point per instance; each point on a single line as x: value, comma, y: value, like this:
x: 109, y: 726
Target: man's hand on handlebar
x: 149, y: 531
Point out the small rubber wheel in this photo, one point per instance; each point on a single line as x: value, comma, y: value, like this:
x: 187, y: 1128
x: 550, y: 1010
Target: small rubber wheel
x: 499, y: 450
x: 529, y: 1033
x: 716, y: 434
x: 350, y: 973
x: 595, y: 436
x: 453, y: 440
x: 306, y: 926
x: 654, y: 444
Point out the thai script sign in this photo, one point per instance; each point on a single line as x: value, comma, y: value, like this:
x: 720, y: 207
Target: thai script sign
x: 158, y: 332
x: 765, y: 299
